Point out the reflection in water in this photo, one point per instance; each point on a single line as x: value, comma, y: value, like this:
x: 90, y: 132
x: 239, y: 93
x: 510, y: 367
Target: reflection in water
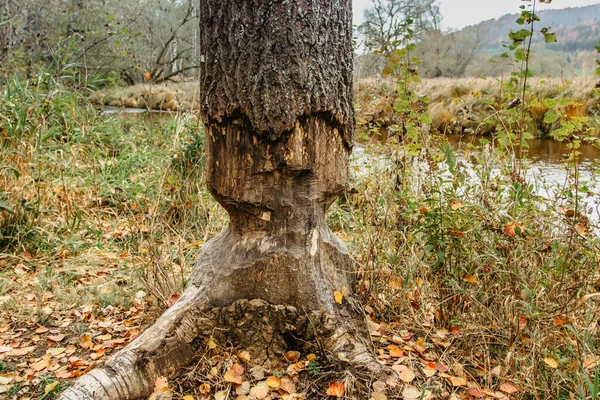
x: 540, y: 150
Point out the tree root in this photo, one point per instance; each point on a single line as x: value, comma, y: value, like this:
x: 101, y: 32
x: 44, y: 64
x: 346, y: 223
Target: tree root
x: 266, y: 331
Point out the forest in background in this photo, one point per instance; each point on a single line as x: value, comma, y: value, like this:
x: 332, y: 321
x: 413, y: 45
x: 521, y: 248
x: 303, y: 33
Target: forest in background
x: 130, y: 42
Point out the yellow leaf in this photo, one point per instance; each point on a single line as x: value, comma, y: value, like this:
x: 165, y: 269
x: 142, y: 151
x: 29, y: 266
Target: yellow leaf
x: 50, y: 387
x: 551, y: 362
x: 338, y: 296
x: 458, y: 380
x: 336, y: 389
x: 189, y: 397
x: 211, y: 343
x: 273, y: 382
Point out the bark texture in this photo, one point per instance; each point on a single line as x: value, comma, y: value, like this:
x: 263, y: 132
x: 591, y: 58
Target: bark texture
x: 277, y: 104
x: 272, y: 61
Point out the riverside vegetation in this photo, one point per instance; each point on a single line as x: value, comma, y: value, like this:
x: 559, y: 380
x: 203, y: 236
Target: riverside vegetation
x: 473, y: 284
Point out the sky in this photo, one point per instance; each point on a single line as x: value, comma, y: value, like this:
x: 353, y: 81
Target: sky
x: 457, y: 14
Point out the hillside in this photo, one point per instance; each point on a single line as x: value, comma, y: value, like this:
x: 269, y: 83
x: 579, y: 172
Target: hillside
x: 577, y: 29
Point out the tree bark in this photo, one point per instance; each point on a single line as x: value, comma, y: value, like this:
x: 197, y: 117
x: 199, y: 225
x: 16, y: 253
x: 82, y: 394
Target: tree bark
x: 276, y: 87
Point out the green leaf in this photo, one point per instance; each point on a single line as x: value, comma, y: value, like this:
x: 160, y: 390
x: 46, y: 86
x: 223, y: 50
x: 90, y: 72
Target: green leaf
x: 565, y: 101
x: 550, y: 103
x: 426, y: 118
x: 597, y: 71
x: 6, y: 207
x: 551, y: 116
x: 550, y: 37
x: 401, y: 53
x: 520, y: 55
x: 519, y: 36
x: 414, y: 149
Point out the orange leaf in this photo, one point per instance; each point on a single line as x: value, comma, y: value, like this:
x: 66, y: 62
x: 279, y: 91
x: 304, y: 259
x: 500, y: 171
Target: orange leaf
x: 273, y: 381
x: 204, y: 389
x: 523, y: 321
x: 509, y: 388
x: 147, y: 76
x: 455, y: 205
x: 561, y: 320
x: 336, y: 389
x: 292, y: 356
x: 471, y: 279
x: 582, y: 229
x: 476, y: 392
x: 512, y: 229
x: 395, y: 351
x: 57, y: 338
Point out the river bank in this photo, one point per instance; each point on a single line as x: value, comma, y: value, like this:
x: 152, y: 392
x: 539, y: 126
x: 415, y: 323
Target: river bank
x: 457, y: 106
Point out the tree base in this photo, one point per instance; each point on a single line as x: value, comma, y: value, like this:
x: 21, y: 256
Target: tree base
x: 266, y: 332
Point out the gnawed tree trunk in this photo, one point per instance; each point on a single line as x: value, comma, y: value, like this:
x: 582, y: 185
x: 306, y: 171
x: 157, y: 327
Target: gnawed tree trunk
x: 277, y: 104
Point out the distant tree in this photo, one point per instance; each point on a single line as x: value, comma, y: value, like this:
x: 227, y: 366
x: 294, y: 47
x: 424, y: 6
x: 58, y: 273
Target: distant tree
x: 386, y: 22
x: 129, y: 37
x: 449, y: 54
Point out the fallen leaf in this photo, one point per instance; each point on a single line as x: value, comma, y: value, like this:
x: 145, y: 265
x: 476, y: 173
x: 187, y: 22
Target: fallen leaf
x: 204, y: 389
x: 234, y: 374
x: 57, y: 338
x: 458, y: 380
x: 411, y: 393
x: 405, y: 374
x: 161, y: 384
x: 41, y: 329
x: 378, y: 396
x: 471, y: 279
x: 476, y: 392
x: 336, y: 389
x: 292, y: 356
x: 455, y: 205
x: 211, y: 343
x: 338, y: 296
x: 551, y: 362
x: 244, y: 356
x: 273, y: 381
x: 561, y: 320
x: 287, y: 386
x: 509, y: 388
x: 243, y: 389
x: 86, y: 342
x: 49, y: 388
x: 395, y: 351
x: 221, y: 395
x: 260, y: 390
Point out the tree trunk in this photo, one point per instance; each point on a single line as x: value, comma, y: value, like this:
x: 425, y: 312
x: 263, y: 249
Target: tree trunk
x: 276, y: 87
